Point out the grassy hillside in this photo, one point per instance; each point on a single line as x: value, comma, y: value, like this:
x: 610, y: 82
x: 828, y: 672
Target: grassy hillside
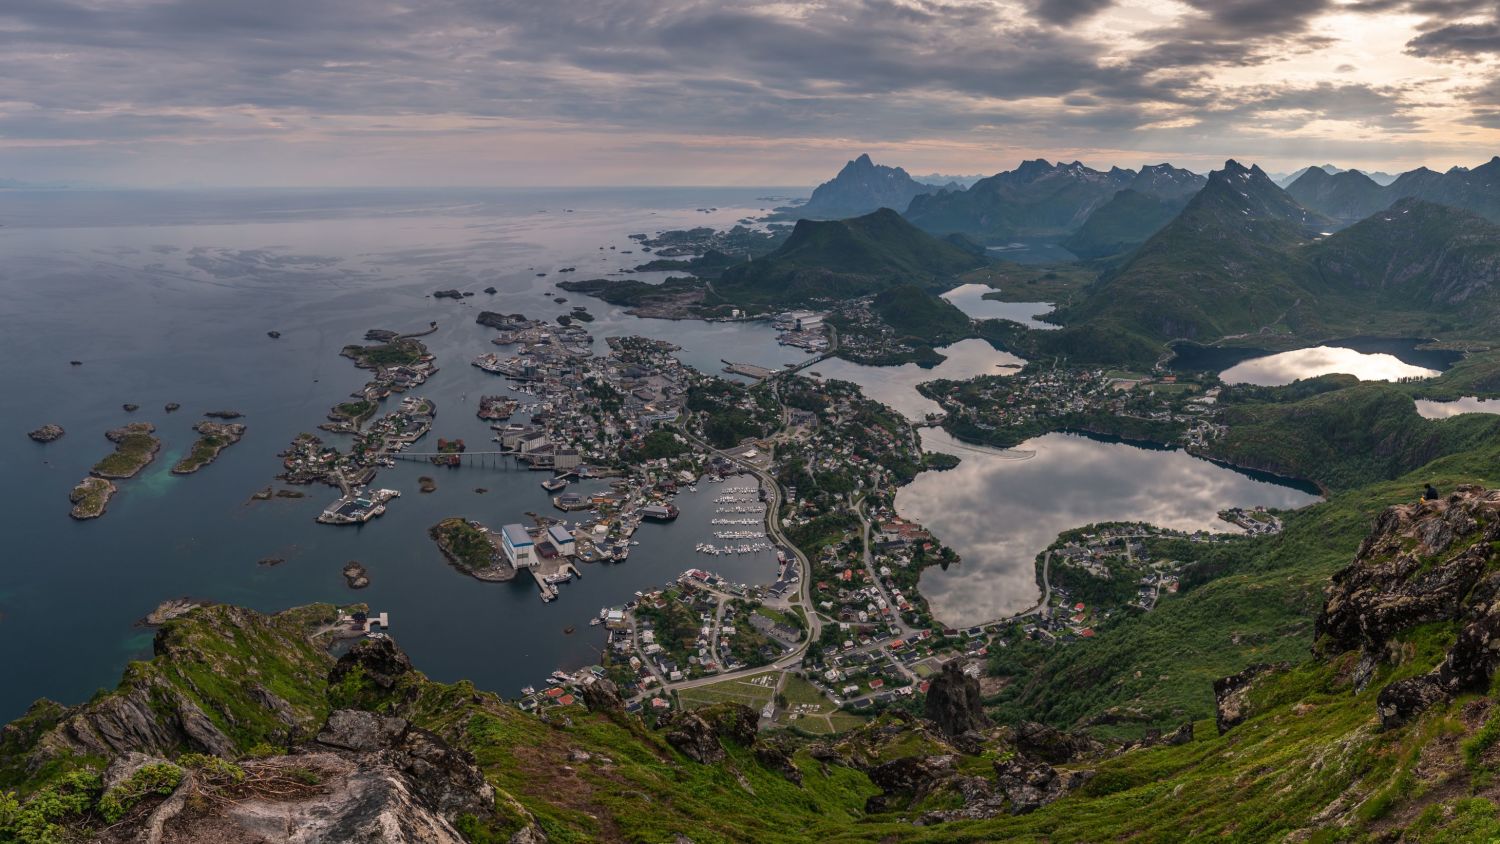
x: 1157, y: 669
x: 1343, y: 438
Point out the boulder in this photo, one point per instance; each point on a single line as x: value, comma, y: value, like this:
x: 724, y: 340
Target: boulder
x: 1232, y: 695
x: 601, y: 695
x: 1029, y: 786
x: 1401, y: 701
x: 382, y: 661
x: 953, y: 702
x: 775, y: 757
x: 914, y: 775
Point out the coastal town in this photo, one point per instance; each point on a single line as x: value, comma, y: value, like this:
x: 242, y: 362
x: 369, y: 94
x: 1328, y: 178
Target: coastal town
x: 803, y: 472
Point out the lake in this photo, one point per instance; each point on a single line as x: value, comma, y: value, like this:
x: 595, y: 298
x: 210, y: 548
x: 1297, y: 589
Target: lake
x: 1430, y: 409
x: 1367, y: 358
x: 999, y: 509
x: 897, y: 385
x: 167, y: 297
x: 969, y: 298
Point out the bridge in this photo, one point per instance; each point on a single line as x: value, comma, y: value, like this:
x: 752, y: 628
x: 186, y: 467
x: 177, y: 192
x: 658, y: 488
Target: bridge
x: 476, y: 458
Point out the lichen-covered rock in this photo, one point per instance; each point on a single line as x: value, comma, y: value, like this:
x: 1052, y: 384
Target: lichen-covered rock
x: 1401, y: 701
x: 1232, y: 695
x: 913, y: 774
x: 953, y: 702
x: 1029, y: 785
x: 1416, y: 566
x: 355, y: 729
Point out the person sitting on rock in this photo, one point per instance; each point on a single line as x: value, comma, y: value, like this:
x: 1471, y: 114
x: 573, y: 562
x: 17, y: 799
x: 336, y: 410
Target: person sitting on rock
x: 1430, y: 494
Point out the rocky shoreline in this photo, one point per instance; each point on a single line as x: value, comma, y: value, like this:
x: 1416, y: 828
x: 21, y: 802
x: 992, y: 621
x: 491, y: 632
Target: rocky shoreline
x: 500, y: 573
x: 91, y: 497
x: 213, y: 438
x: 47, y: 433
x: 356, y: 576
x: 135, y: 448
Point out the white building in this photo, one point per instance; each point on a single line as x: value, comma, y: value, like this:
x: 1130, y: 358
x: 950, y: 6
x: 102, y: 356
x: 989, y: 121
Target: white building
x: 519, y: 547
x: 562, y: 540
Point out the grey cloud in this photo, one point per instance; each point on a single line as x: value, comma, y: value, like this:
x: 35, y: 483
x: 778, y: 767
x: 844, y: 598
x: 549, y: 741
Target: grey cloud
x: 1062, y: 12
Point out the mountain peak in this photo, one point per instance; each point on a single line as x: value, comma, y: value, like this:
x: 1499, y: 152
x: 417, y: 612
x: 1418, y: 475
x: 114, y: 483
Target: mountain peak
x: 860, y: 187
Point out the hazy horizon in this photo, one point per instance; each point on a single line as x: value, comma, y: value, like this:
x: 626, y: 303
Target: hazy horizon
x: 436, y: 93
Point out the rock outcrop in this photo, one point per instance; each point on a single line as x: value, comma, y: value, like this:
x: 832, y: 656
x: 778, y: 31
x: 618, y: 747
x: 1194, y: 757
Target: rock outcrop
x: 366, y: 777
x: 46, y: 433
x: 1232, y: 695
x: 601, y: 695
x: 1426, y: 562
x: 380, y: 660
x: 698, y: 733
x: 953, y: 702
x: 1046, y: 744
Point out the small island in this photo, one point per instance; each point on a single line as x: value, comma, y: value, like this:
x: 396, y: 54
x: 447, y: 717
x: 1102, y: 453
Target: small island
x: 223, y: 414
x: 213, y: 438
x: 90, y: 497
x: 355, y: 575
x: 135, y: 447
x: 47, y: 433
x: 472, y: 549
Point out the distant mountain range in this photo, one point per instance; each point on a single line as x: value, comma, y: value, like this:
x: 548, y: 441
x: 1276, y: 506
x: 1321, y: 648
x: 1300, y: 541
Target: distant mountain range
x: 1037, y: 198
x: 1350, y: 196
x: 1244, y: 259
x: 1378, y: 176
x: 861, y: 187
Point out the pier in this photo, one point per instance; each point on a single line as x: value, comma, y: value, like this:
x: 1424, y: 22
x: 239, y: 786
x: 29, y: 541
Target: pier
x: 549, y: 574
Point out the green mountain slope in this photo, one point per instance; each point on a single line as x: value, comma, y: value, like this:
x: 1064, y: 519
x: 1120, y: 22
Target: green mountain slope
x: 1225, y: 265
x: 387, y: 745
x: 1415, y: 256
x: 843, y: 258
x: 1124, y: 222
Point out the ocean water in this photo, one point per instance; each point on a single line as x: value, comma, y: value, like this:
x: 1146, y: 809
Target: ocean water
x: 167, y: 297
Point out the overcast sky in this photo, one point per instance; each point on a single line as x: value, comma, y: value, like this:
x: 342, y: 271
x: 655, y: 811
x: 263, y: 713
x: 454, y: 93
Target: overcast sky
x: 557, y: 92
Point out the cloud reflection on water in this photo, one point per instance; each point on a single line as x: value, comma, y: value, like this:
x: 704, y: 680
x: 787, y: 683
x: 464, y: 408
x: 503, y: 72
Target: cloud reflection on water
x: 1286, y: 367
x: 999, y: 512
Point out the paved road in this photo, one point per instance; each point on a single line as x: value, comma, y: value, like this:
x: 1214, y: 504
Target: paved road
x: 902, y: 629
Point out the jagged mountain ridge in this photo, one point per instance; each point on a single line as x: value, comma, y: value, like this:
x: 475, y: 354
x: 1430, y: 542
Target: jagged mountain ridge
x: 1224, y: 265
x: 1037, y: 198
